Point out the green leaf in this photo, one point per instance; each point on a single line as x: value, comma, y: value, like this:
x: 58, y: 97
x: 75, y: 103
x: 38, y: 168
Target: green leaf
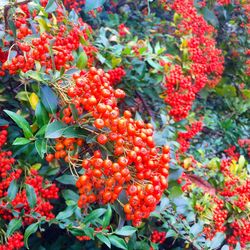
x: 13, y: 226
x: 37, y: 76
x: 30, y: 230
x: 21, y: 141
x: 82, y: 61
x: 175, y: 191
x: 12, y: 190
x: 90, y: 4
x: 66, y: 213
x: 107, y: 217
x: 70, y: 195
x: 41, y: 114
x: 40, y: 145
x: 55, y: 129
x: 3, y: 122
x: 104, y: 239
x: 31, y: 195
x: 51, y: 6
x: 21, y: 123
x: 217, y: 240
x: 118, y: 242
x: 66, y: 179
x: 94, y: 215
x: 210, y: 17
x: 126, y: 231
x: 49, y: 99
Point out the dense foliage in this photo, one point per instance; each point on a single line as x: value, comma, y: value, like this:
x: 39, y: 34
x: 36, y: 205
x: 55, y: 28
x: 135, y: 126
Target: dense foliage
x: 124, y: 124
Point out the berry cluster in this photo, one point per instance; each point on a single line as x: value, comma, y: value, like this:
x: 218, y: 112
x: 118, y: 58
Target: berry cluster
x: 231, y: 153
x: 44, y: 190
x: 246, y: 144
x: 66, y: 148
x: 116, y: 75
x: 137, y: 166
x: 185, y: 137
x: 52, y: 50
x: 158, y: 237
x: 202, y: 62
x: 14, y: 242
x: 123, y: 30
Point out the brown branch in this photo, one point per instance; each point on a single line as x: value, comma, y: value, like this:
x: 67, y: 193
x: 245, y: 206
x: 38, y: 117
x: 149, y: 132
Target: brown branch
x: 150, y: 112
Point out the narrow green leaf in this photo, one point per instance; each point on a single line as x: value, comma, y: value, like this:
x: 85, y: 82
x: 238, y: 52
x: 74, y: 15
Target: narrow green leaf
x: 118, y: 242
x: 41, y: 114
x: 40, y: 145
x: 82, y: 61
x: 21, y: 141
x: 12, y: 190
x: 49, y: 99
x: 126, y: 231
x: 55, y: 129
x: 66, y: 179
x: 30, y: 230
x: 94, y: 215
x: 31, y: 195
x: 104, y: 239
x: 107, y: 217
x: 21, y: 123
x: 13, y: 226
x: 66, y: 213
x: 51, y: 6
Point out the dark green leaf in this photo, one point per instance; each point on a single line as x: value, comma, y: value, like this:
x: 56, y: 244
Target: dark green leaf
x: 118, y: 242
x: 126, y: 231
x: 55, y: 129
x: 94, y: 215
x: 42, y: 117
x: 104, y: 239
x: 21, y: 141
x: 30, y: 230
x: 66, y: 213
x: 107, y: 217
x: 40, y: 145
x: 12, y: 190
x: 49, y: 99
x: 66, y: 179
x: 31, y: 195
x: 70, y: 195
x: 21, y: 123
x: 13, y: 226
x: 210, y: 16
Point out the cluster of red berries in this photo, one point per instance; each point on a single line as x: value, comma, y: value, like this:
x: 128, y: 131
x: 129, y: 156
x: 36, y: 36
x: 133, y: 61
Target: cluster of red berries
x: 158, y: 237
x: 219, y: 218
x: 51, y: 51
x: 116, y: 75
x: 236, y: 192
x: 74, y: 5
x: 14, y: 242
x: 241, y: 233
x: 231, y: 153
x: 204, y: 60
x: 185, y: 137
x: 246, y: 144
x: 44, y: 191
x: 66, y: 148
x: 138, y: 167
x: 123, y: 30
